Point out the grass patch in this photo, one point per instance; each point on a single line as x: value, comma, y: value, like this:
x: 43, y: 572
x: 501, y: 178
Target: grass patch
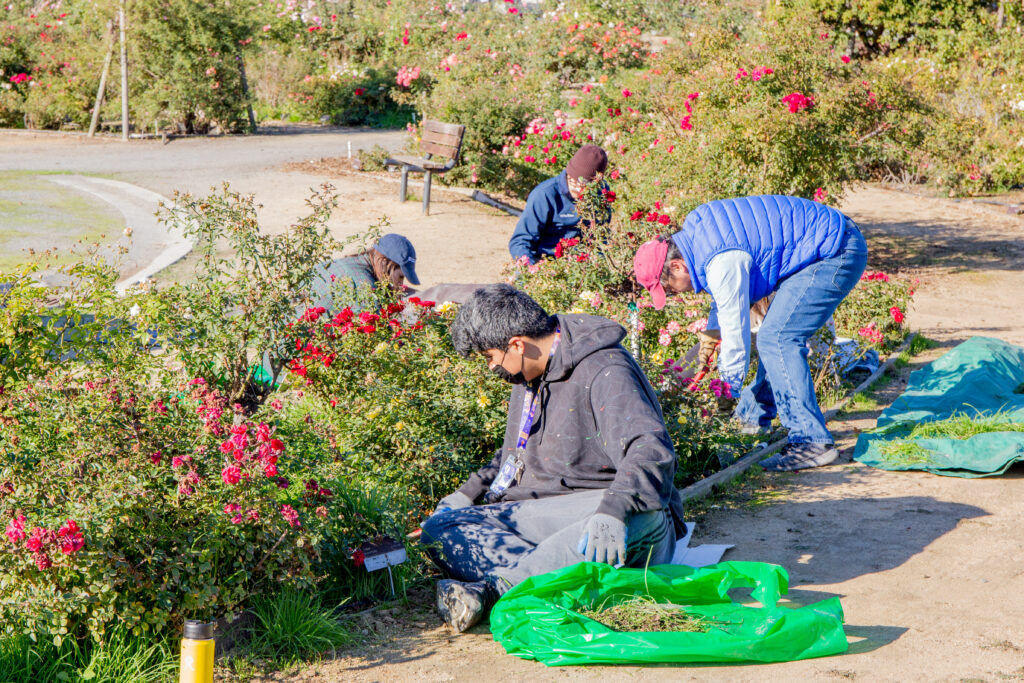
x: 920, y: 344
x: 40, y: 215
x: 121, y: 658
x: 643, y: 614
x: 292, y: 626
x: 753, y: 489
x: 862, y: 403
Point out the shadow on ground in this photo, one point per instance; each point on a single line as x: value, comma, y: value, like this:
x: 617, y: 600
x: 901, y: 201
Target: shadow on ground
x: 905, y: 245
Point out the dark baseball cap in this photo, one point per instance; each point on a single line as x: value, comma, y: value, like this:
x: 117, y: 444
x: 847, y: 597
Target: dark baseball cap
x: 399, y: 249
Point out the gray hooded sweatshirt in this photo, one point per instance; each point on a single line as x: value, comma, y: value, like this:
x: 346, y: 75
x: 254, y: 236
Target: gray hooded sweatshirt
x: 598, y: 426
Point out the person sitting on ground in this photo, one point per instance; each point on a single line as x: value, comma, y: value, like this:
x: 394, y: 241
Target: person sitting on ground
x: 740, y: 250
x: 586, y: 469
x: 550, y: 214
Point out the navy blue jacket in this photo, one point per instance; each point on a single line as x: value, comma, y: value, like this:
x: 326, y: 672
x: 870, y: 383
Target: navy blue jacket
x: 550, y: 215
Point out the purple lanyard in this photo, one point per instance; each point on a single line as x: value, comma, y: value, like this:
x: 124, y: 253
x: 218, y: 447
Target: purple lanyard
x: 530, y: 402
x: 513, y: 466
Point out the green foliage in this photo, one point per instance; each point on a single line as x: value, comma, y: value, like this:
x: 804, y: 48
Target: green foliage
x: 221, y: 324
x: 374, y: 159
x: 173, y: 521
x: 139, y: 490
x: 38, y: 330
x: 882, y: 26
x: 874, y: 312
x: 376, y: 375
x: 122, y: 658
x: 190, y: 52
x: 292, y: 625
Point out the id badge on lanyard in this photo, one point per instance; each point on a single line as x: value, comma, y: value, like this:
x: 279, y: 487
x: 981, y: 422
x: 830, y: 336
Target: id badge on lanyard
x: 512, y: 469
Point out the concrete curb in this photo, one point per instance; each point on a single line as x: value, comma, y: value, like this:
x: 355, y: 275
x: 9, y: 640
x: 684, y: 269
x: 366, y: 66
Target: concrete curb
x: 138, y: 206
x: 707, y: 486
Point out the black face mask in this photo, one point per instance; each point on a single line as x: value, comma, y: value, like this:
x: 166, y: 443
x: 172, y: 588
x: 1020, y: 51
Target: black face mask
x: 517, y: 378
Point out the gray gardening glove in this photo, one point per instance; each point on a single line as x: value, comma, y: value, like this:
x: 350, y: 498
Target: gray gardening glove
x: 453, y: 501
x: 603, y: 540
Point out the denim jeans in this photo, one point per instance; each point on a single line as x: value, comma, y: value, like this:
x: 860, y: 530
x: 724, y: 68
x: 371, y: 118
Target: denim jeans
x: 516, y: 540
x: 803, y: 303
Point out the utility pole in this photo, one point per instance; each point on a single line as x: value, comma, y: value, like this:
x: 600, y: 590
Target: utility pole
x: 124, y: 75
x: 103, y: 80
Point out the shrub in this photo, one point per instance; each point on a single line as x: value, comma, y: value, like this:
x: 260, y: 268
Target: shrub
x: 145, y: 502
x: 190, y: 52
x: 232, y: 319
x: 39, y: 330
x: 396, y: 399
x: 875, y: 311
x: 882, y: 27
x: 362, y: 98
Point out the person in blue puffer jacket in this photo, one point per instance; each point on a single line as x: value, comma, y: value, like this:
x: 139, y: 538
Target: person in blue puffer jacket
x: 741, y: 250
x: 550, y: 214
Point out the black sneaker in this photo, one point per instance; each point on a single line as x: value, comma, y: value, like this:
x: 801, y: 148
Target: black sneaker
x: 801, y: 456
x: 462, y: 604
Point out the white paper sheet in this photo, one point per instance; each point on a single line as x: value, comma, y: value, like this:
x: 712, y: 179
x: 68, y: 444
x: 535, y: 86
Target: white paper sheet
x: 700, y: 556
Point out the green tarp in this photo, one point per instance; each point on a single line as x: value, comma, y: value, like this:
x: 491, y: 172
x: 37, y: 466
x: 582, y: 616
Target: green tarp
x: 981, y: 376
x: 537, y: 619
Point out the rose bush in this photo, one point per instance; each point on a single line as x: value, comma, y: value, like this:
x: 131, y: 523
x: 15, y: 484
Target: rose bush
x: 395, y: 399
x: 145, y: 502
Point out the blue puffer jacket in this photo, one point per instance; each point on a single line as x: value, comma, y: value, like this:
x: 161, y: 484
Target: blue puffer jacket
x: 782, y: 234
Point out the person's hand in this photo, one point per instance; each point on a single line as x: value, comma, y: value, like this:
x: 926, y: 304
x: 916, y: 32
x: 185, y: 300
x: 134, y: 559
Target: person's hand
x: 708, y: 344
x: 453, y: 501
x: 603, y: 540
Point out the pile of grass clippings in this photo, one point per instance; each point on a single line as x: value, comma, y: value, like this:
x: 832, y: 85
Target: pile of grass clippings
x: 643, y: 614
x: 906, y: 452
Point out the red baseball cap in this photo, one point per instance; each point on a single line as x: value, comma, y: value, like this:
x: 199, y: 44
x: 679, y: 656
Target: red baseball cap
x: 648, y: 263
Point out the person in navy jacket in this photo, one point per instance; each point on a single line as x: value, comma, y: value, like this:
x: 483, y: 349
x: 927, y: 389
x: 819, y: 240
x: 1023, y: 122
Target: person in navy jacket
x: 550, y: 213
x: 741, y: 250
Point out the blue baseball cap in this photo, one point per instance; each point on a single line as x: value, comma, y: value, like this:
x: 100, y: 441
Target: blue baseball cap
x: 398, y: 249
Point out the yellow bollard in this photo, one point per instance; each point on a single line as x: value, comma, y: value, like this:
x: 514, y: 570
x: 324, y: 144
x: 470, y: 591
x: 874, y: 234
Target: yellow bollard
x: 197, y: 647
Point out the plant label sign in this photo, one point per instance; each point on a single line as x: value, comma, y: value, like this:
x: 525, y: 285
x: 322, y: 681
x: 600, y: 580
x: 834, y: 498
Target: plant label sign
x: 386, y: 553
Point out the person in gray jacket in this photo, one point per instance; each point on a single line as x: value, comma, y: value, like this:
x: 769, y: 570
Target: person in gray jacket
x: 586, y: 469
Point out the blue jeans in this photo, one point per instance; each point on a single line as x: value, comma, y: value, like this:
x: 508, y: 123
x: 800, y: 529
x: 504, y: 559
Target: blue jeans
x: 516, y: 540
x: 803, y: 303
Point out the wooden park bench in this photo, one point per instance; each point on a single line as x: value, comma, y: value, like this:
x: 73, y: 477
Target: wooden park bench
x: 439, y: 139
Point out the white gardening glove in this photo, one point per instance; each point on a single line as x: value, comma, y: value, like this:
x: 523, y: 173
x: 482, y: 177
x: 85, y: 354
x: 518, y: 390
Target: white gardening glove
x: 603, y: 540
x: 453, y: 501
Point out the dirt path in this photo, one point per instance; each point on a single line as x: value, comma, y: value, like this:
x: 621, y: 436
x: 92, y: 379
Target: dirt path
x: 927, y: 567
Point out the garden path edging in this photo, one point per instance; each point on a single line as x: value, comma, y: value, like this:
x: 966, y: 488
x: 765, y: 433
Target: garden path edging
x: 707, y: 486
x: 154, y: 245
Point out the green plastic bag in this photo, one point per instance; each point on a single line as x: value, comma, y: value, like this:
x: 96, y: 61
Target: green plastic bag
x: 983, y: 375
x: 537, y: 619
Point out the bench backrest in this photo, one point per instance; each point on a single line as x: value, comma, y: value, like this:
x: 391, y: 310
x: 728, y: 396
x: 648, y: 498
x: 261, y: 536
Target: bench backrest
x: 442, y: 139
